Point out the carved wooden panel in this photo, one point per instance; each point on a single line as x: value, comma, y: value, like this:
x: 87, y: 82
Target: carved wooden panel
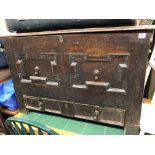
x: 33, y: 69
x: 81, y: 70
x: 90, y: 72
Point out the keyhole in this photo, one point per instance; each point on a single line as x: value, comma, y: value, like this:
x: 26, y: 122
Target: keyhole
x: 66, y: 105
x: 60, y: 39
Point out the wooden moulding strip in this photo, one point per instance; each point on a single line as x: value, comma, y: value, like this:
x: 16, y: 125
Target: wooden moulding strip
x: 84, y: 30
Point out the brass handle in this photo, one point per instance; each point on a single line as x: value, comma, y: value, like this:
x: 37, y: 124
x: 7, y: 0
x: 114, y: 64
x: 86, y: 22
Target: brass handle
x: 96, y: 113
x: 41, y: 105
x: 36, y: 70
x: 96, y: 73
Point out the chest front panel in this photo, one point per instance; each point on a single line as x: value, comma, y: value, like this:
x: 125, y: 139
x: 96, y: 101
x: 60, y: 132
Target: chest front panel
x: 96, y: 76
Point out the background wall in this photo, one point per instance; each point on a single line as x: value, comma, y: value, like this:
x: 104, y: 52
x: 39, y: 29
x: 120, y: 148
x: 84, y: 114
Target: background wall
x: 3, y: 28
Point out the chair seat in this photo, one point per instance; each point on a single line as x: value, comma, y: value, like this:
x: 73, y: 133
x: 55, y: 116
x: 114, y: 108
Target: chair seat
x: 38, y: 123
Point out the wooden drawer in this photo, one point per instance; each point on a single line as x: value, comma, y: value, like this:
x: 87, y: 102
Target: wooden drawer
x: 95, y: 113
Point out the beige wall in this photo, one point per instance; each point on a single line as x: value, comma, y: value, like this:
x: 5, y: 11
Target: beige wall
x: 3, y: 28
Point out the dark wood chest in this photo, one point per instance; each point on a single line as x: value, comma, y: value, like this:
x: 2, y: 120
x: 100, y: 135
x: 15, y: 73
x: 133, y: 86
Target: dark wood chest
x: 2, y: 126
x: 94, y: 74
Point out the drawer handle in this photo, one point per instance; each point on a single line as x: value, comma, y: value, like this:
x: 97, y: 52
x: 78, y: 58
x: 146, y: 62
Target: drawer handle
x: 36, y: 70
x: 41, y: 106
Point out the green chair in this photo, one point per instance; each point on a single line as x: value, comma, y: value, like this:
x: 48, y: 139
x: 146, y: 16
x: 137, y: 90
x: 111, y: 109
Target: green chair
x: 18, y: 126
x: 47, y: 124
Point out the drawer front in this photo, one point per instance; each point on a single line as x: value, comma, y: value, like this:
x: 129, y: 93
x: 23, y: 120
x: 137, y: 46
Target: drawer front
x: 84, y: 111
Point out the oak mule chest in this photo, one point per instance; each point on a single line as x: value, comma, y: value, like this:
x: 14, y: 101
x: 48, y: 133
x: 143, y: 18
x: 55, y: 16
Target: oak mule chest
x: 95, y: 74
